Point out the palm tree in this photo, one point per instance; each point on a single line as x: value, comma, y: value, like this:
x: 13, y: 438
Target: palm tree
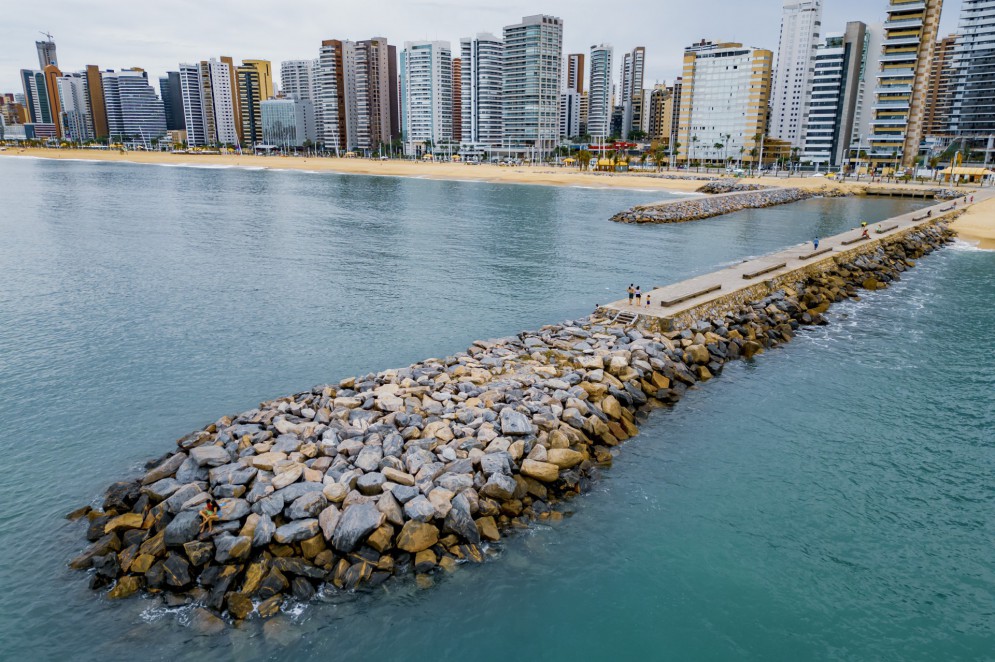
x: 676, y: 148
x: 584, y: 158
x: 642, y: 160
x: 658, y: 156
x: 718, y: 148
x: 694, y: 141
x: 934, y: 162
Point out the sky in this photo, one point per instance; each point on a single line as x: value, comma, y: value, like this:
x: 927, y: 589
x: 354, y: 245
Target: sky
x: 115, y: 34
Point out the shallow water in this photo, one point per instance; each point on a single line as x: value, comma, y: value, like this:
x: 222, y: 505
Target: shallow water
x: 830, y: 500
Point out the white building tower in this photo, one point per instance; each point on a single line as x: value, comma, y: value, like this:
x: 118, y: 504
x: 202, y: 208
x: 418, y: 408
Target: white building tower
x: 801, y: 25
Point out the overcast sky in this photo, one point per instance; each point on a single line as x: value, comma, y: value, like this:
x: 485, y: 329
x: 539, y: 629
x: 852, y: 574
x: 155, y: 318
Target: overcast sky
x: 157, y: 36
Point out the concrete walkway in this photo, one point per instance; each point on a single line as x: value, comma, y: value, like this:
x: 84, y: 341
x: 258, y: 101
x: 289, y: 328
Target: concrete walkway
x: 672, y: 300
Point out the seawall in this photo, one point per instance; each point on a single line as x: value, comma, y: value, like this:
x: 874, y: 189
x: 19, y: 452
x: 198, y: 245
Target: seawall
x: 411, y: 472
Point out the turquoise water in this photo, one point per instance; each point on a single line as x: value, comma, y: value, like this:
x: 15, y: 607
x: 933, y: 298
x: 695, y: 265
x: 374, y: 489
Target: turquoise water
x: 831, y: 500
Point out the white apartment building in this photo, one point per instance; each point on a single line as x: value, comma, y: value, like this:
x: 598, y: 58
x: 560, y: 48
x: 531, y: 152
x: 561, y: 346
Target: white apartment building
x: 193, y: 105
x: 801, y: 24
x: 134, y: 111
x: 973, y: 111
x: 74, y: 102
x: 216, y: 81
x: 633, y: 108
x: 482, y: 78
x: 533, y: 69
x: 426, y: 95
x: 599, y: 92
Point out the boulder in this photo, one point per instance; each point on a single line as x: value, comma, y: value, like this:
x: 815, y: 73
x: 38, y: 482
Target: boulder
x: 514, y: 423
x: 177, y: 571
x: 232, y: 548
x: 371, y: 484
x: 126, y: 521
x: 416, y: 536
x: 545, y: 472
x: 230, y: 510
x: 307, y: 505
x: 487, y: 529
x: 296, y: 531
x: 460, y: 521
x: 399, y: 477
x: 357, y: 522
x: 210, y: 456
x: 335, y: 492
x: 328, y: 519
x: 126, y: 586
x: 500, y: 486
x: 182, y: 529
x: 287, y: 476
x: 564, y: 458
x: 265, y: 529
x: 165, y: 469
x: 419, y: 509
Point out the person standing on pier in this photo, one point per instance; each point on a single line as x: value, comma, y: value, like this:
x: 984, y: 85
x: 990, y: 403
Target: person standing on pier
x: 639, y: 296
x: 632, y: 292
x: 647, y: 299
x: 815, y: 243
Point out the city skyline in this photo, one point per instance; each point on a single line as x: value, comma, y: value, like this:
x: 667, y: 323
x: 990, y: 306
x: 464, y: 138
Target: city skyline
x: 113, y: 39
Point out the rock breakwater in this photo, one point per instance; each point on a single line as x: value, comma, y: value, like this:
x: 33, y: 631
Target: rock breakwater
x: 695, y: 209
x: 411, y: 472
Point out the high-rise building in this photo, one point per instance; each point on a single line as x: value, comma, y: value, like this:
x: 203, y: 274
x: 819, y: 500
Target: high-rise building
x: 376, y: 73
x: 265, y: 70
x: 903, y: 80
x: 457, y: 99
x: 633, y: 67
x: 482, y: 72
x: 330, y: 106
x: 95, y: 101
x: 660, y: 111
x: 940, y: 93
x: 533, y: 67
x: 11, y: 110
x: 426, y: 95
x: 288, y: 122
x: 574, y: 79
x: 172, y: 100
x: 297, y: 79
x: 46, y: 54
x: 134, y: 112
x: 250, y: 96
x: 676, y: 92
x: 52, y: 75
x: 74, y: 115
x: 973, y: 110
x: 724, y: 101
x: 192, y: 95
x: 801, y: 22
x: 864, y: 115
x: 570, y: 114
x: 599, y: 92
x: 36, y: 97
x: 835, y: 90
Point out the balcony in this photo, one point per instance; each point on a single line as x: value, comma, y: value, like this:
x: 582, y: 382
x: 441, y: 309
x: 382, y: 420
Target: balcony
x: 890, y: 123
x: 898, y: 57
x: 892, y: 24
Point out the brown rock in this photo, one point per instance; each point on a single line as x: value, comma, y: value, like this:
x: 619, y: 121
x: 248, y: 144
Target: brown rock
x: 142, y: 563
x: 416, y: 536
x: 380, y: 539
x: 542, y: 471
x: 239, y: 605
x: 425, y: 561
x: 313, y: 546
x: 564, y: 458
x: 270, y: 606
x: 611, y: 406
x: 254, y: 577
x: 126, y: 521
x: 125, y: 587
x: 488, y: 529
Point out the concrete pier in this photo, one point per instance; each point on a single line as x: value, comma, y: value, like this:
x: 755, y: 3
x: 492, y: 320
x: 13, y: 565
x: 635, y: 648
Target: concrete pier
x: 675, y: 306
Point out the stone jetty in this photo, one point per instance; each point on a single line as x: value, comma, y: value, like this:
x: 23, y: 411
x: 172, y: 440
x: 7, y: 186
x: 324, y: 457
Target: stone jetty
x: 414, y: 471
x: 728, y: 197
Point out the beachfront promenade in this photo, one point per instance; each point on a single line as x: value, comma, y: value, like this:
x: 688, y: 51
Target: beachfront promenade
x: 671, y: 306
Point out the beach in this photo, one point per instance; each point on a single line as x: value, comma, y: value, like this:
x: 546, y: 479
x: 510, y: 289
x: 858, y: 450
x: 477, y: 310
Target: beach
x: 537, y: 175
x: 977, y: 225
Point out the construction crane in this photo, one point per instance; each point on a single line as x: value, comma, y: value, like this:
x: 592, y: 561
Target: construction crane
x: 48, y: 35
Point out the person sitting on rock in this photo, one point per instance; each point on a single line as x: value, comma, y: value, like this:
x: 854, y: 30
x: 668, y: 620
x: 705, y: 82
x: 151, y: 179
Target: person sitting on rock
x: 208, y: 516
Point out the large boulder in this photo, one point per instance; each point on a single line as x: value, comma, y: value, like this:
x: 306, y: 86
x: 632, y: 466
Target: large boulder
x: 165, y: 469
x: 515, y: 423
x: 419, y: 509
x: 357, y: 522
x: 182, y: 529
x: 545, y: 472
x: 296, y: 531
x: 460, y: 521
x: 416, y: 536
x: 210, y: 456
x: 307, y: 505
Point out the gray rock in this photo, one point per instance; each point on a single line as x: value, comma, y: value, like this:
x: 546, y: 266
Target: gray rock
x: 182, y: 529
x: 369, y: 459
x: 455, y: 482
x: 500, y: 486
x: 191, y: 472
x: 405, y: 493
x: 357, y: 522
x: 210, y: 456
x: 162, y: 489
x: 165, y: 469
x: 231, y: 548
x: 419, y: 509
x: 175, y: 502
x: 495, y: 463
x: 393, y: 445
x: 297, y: 531
x: 287, y: 443
x: 514, y: 423
x: 328, y: 520
x: 391, y: 509
x: 307, y: 505
x: 296, y: 490
x: 230, y: 510
x: 371, y: 484
x: 263, y: 534
x: 271, y: 505
x: 460, y: 521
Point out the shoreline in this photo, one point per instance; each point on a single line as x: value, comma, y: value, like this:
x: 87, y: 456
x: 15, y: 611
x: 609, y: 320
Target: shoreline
x: 977, y: 225
x: 484, y: 173
x: 410, y: 472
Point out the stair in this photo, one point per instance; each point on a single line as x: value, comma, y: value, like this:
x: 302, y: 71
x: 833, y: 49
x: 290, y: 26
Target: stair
x: 626, y: 318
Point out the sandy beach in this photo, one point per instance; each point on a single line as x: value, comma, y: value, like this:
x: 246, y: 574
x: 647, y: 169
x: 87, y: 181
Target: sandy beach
x: 977, y: 224
x: 536, y: 175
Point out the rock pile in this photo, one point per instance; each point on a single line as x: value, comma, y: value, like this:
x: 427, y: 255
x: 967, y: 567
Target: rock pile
x: 729, y: 186
x: 694, y: 209
x: 416, y: 470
